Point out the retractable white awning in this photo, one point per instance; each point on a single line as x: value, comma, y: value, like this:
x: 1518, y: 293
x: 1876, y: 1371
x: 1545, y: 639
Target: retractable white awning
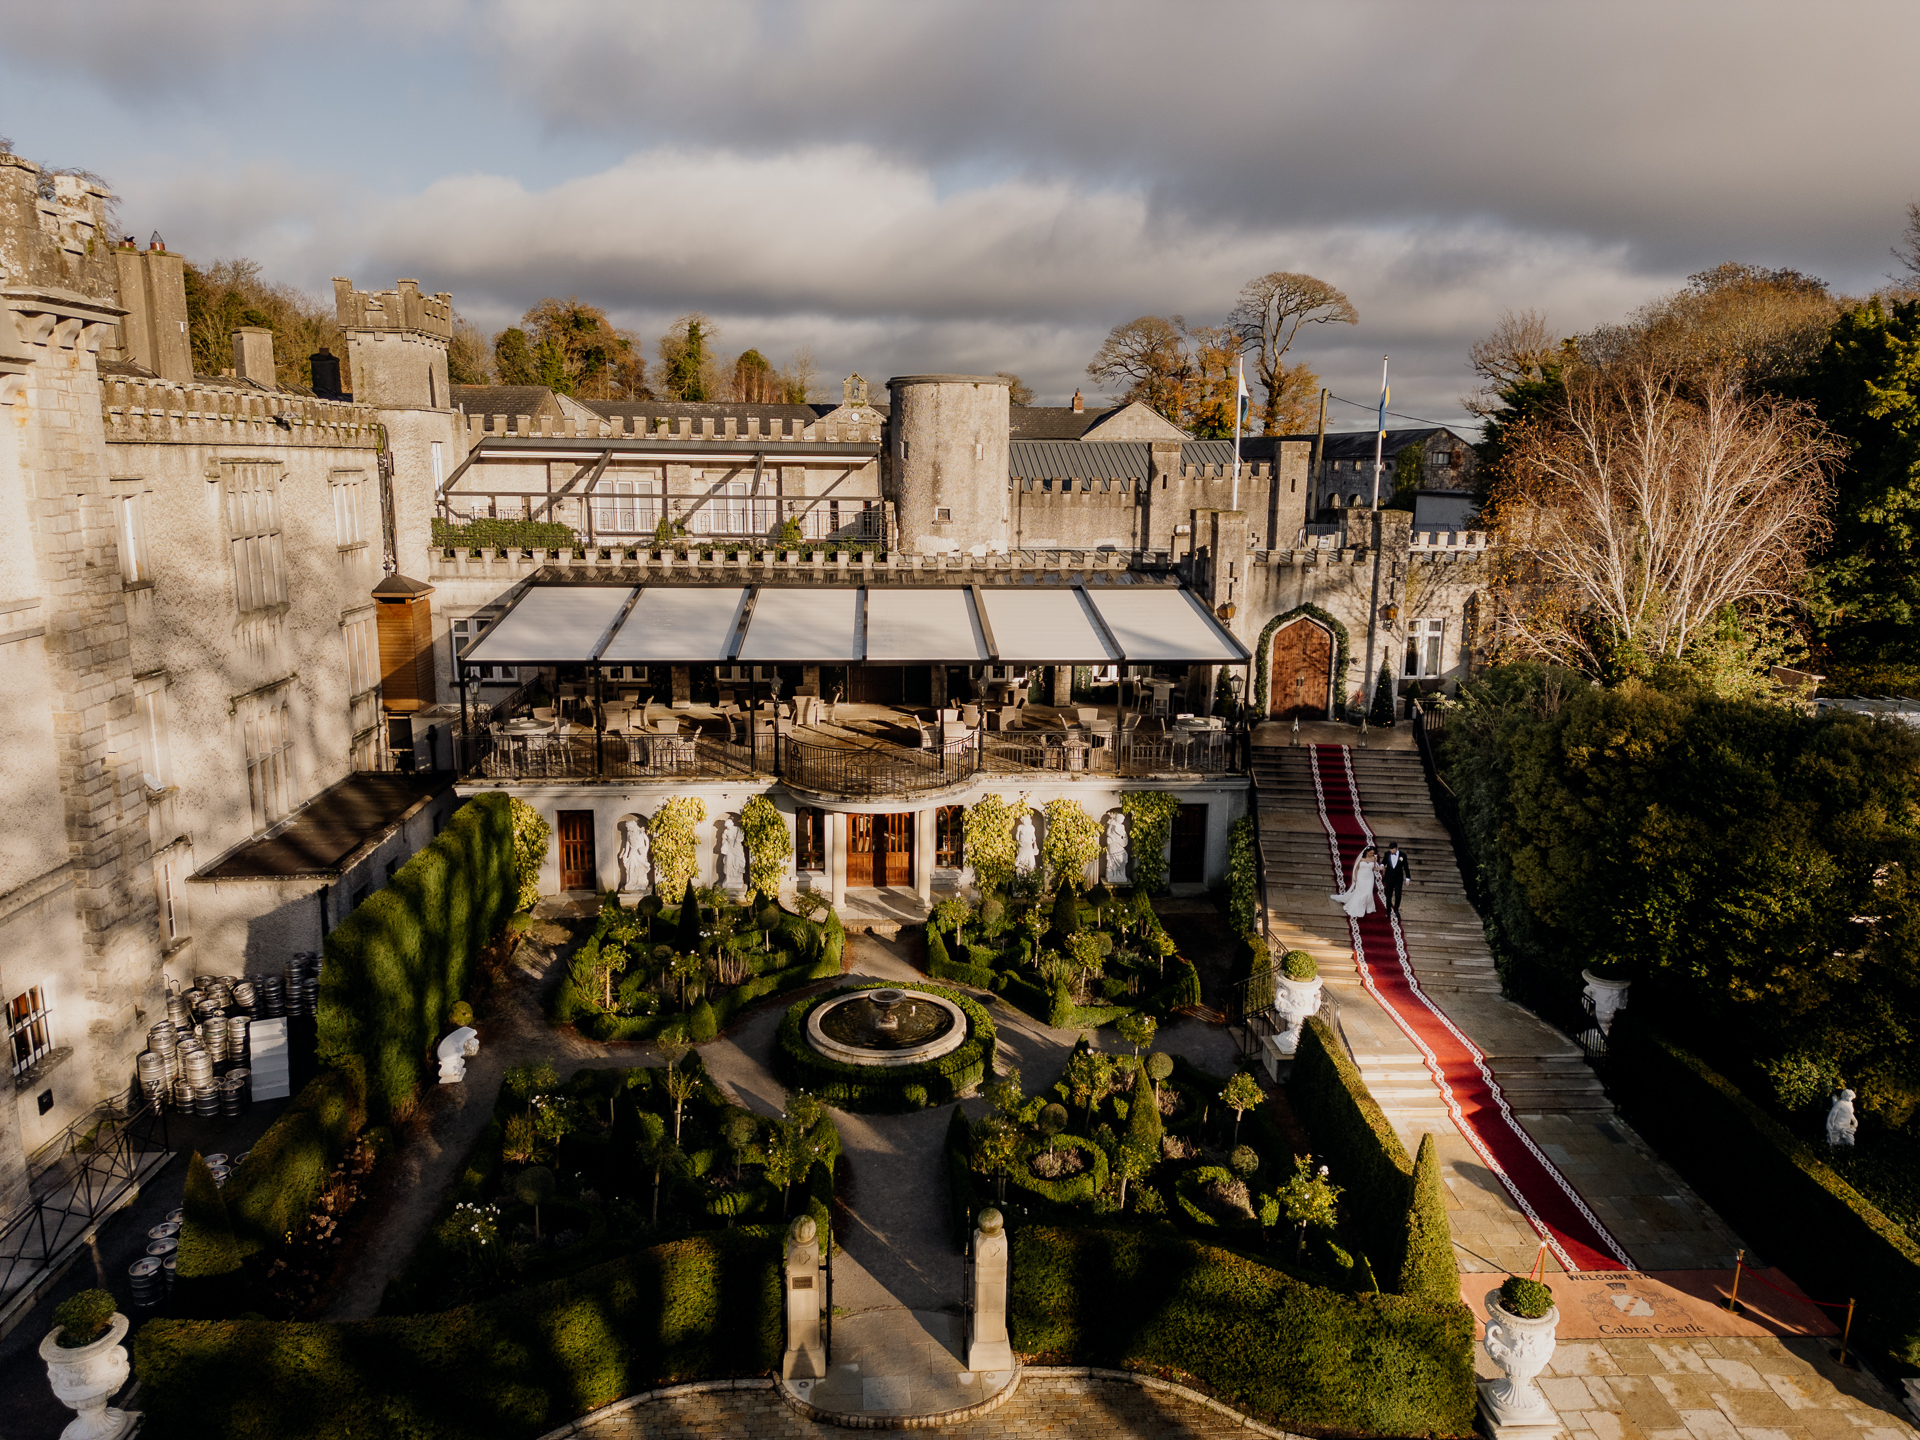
x: 921, y: 625
x: 552, y: 624
x: 813, y: 625
x: 1164, y: 624
x: 679, y: 624
x: 564, y: 624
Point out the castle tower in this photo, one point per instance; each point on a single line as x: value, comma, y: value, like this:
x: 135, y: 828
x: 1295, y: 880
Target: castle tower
x: 947, y: 459
x: 396, y: 345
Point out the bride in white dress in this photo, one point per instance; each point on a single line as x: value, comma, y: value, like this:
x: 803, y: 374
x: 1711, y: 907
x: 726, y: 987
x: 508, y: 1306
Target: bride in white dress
x: 1357, y: 898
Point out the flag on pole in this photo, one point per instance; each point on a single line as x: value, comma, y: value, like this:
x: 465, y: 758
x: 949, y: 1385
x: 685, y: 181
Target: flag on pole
x: 1241, y: 398
x: 1385, y: 393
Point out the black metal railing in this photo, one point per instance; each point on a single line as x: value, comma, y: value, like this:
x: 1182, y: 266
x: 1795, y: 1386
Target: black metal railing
x: 82, y: 1174
x: 867, y: 769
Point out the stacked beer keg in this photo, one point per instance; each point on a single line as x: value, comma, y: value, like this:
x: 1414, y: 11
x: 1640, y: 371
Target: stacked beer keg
x: 197, y: 1059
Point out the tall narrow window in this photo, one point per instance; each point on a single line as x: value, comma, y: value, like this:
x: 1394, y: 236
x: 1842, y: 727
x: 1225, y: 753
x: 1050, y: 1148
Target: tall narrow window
x: 253, y: 529
x: 150, y: 716
x: 130, y: 504
x: 949, y: 837
x: 167, y: 875
x: 1424, y: 649
x: 363, y: 654
x: 348, y: 491
x: 269, y: 742
x: 29, y: 1036
x: 810, y: 833
x: 439, y: 454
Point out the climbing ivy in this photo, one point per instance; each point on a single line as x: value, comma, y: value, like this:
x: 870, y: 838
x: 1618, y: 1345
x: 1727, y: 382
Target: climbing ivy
x: 530, y: 836
x: 1243, y: 876
x: 769, y: 845
x: 1149, y: 825
x: 675, y: 851
x: 989, y: 835
x: 1072, y: 841
x: 1262, y: 698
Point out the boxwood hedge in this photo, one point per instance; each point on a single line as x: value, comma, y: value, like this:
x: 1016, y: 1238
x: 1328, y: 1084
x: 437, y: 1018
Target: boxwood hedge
x: 873, y: 1087
x: 505, y: 1369
x: 406, y: 954
x: 1293, y: 1354
x: 1069, y: 1189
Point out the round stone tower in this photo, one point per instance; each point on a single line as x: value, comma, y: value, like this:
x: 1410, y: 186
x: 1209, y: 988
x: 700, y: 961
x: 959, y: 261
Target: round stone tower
x: 947, y: 455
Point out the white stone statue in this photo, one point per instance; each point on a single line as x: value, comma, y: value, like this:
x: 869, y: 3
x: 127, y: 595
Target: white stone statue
x: 806, y: 1356
x: 733, y: 854
x: 636, y: 856
x: 1026, y: 846
x: 1609, y: 998
x: 1842, y: 1123
x: 1117, y: 848
x: 454, y: 1052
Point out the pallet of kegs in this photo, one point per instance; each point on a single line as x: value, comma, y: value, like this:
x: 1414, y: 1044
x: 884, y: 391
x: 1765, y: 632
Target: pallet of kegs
x: 239, y: 1028
x: 163, y: 1249
x: 233, y: 1093
x: 270, y: 997
x: 206, y: 1101
x: 153, y: 1076
x: 196, y: 1065
x: 303, y: 984
x: 179, y: 1011
x: 243, y: 995
x: 147, y: 1280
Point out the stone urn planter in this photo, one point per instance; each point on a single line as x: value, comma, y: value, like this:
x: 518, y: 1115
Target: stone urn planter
x: 1294, y: 1001
x: 1521, y: 1347
x: 1609, y: 998
x: 86, y: 1377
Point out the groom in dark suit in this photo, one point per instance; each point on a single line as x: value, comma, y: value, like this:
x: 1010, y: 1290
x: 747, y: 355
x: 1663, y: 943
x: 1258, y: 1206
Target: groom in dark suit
x: 1394, y: 874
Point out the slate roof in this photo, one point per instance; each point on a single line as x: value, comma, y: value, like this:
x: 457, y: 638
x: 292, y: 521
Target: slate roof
x: 1055, y: 422
x: 325, y: 834
x: 716, y: 410
x: 505, y: 399
x: 1128, y: 460
x: 1358, y: 444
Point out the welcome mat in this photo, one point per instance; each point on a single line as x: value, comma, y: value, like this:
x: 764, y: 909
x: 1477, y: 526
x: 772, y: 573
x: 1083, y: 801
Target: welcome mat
x: 1579, y: 1241
x: 1665, y: 1305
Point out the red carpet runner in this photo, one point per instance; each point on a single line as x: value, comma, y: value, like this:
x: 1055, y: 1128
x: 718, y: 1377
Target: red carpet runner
x: 1575, y: 1235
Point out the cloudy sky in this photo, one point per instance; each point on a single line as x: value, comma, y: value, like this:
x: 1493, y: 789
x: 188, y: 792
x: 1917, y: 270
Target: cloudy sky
x: 934, y: 185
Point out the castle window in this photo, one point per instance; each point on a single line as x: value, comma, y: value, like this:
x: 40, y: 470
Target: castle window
x: 253, y: 530
x: 363, y: 655
x: 943, y: 514
x: 949, y: 837
x: 173, y: 897
x: 347, y: 527
x: 1424, y: 646
x: 28, y: 1034
x: 130, y: 500
x: 810, y: 833
x: 269, y: 741
x: 150, y: 715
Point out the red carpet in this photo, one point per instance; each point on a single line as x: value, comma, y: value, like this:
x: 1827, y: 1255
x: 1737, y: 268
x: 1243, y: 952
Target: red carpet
x: 1573, y: 1232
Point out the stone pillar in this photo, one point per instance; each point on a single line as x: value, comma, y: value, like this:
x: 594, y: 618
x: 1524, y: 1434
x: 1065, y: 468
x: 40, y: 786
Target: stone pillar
x: 837, y: 858
x: 988, y: 1347
x: 682, y: 679
x: 1060, y: 690
x: 923, y: 844
x: 806, y: 1356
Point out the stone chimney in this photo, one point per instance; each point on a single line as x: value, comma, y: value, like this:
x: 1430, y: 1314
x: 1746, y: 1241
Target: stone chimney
x: 326, y: 374
x: 253, y: 355
x: 1079, y: 405
x: 153, y: 333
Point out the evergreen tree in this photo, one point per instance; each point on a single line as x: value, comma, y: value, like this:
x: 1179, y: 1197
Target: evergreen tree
x: 1383, y: 697
x: 1428, y: 1271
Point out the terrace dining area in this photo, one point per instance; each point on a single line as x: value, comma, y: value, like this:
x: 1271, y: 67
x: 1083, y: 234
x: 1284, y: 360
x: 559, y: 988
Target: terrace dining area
x: 790, y: 688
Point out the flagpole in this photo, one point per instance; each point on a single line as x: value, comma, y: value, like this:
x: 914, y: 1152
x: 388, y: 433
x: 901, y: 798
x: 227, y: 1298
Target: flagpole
x: 1371, y: 678
x: 1239, y: 390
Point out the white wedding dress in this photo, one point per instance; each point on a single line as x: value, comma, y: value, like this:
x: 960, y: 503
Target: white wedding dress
x: 1357, y: 898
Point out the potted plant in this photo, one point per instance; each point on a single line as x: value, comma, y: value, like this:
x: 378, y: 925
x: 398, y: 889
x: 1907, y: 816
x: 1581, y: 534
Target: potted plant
x: 1521, y: 1317
x: 1296, y: 996
x: 87, y: 1365
x: 1607, y: 987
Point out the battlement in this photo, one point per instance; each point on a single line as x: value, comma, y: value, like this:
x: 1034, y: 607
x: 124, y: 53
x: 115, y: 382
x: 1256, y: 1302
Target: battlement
x: 629, y: 427
x: 401, y: 308
x: 744, y: 566
x: 160, y: 412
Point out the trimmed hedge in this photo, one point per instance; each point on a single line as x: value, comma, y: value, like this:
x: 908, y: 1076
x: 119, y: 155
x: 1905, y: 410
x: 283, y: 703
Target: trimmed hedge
x: 723, y: 1006
x: 403, y: 958
x: 943, y: 967
x: 1428, y: 1270
x: 1352, y: 1134
x: 271, y: 1191
x: 506, y: 1369
x: 1771, y: 1186
x: 1290, y: 1353
x: 1069, y: 1189
x: 872, y: 1087
x: 1189, y: 1182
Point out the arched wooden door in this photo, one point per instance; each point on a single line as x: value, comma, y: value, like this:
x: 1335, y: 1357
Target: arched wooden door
x: 1301, y: 670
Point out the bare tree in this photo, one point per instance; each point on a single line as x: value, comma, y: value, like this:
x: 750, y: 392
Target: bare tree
x: 1146, y: 358
x: 1643, y: 507
x: 799, y: 377
x: 1271, y: 311
x: 1907, y: 252
x: 1518, y: 349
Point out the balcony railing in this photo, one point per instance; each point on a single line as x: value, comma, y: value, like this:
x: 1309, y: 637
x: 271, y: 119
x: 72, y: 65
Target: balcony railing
x: 853, y: 771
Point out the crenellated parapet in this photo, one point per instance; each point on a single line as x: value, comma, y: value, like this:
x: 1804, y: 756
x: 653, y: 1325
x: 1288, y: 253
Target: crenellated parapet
x: 160, y: 412
x: 630, y: 427
x: 719, y: 565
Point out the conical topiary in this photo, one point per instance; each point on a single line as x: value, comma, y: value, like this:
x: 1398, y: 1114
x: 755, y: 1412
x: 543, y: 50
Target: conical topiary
x: 686, y: 934
x: 1144, y: 1125
x: 1428, y: 1271
x: 1383, y: 698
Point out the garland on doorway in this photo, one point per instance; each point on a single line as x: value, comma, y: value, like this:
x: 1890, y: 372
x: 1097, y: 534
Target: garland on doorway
x: 1149, y: 826
x: 675, y: 851
x: 769, y: 845
x: 1263, y: 657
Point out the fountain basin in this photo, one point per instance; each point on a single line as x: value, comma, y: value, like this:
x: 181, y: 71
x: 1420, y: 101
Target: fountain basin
x: 886, y: 1028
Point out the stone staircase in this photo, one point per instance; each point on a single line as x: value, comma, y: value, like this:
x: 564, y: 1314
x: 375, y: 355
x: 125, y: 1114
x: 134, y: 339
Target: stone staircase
x: 1540, y: 1070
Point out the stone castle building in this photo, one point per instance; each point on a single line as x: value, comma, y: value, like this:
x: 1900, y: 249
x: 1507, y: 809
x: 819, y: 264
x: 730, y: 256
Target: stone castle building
x: 256, y: 644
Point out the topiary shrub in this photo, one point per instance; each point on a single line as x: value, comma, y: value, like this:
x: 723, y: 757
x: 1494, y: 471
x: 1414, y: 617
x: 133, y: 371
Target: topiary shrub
x: 1075, y: 1189
x: 988, y: 835
x: 1072, y: 842
x: 1299, y: 965
x: 82, y: 1319
x: 273, y: 1189
x: 701, y: 1024
x: 530, y: 837
x: 769, y: 844
x: 1429, y: 1270
x: 1150, y: 815
x: 1528, y: 1299
x: 676, y: 861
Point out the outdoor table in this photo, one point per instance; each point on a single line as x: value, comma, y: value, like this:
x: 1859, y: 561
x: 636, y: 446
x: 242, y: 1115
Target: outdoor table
x: 526, y: 725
